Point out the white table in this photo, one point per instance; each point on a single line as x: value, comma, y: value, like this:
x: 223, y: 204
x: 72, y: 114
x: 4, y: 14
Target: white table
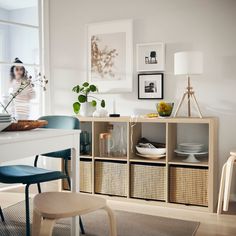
x: 17, y: 145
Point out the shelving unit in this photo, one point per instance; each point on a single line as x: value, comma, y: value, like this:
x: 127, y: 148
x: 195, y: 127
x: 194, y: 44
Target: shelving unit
x: 133, y: 177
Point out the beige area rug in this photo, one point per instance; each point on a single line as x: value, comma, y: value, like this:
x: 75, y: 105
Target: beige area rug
x: 96, y: 224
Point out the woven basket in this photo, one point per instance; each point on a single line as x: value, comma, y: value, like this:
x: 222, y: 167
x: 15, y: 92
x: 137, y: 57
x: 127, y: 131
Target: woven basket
x: 85, y: 176
x: 111, y: 178
x: 189, y: 185
x: 148, y: 181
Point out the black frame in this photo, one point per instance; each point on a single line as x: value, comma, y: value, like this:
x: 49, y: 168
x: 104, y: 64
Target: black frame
x: 162, y: 85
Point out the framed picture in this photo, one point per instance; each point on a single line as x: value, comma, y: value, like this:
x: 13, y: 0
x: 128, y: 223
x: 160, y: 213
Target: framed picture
x: 150, y: 86
x: 150, y: 57
x: 110, y: 56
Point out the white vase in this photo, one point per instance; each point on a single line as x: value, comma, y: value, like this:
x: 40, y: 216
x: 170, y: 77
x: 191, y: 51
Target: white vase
x: 86, y: 109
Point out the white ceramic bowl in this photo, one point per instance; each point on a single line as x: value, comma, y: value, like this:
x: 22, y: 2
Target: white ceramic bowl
x: 4, y: 125
x: 151, y: 151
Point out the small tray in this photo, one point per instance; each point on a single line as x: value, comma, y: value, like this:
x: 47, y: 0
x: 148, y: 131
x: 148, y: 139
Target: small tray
x: 152, y: 157
x: 22, y: 125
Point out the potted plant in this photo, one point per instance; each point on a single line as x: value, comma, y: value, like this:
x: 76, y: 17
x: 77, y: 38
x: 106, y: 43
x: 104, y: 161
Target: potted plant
x: 86, y: 104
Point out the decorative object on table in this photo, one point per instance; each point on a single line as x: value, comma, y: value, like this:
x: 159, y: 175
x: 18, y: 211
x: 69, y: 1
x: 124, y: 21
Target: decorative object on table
x: 110, y: 53
x: 85, y: 143
x: 188, y: 63
x: 5, y: 121
x: 23, y: 125
x: 150, y: 86
x: 191, y: 150
x: 83, y: 106
x: 150, y: 57
x: 152, y: 115
x: 164, y: 109
x: 100, y: 113
x: 24, y: 84
x: 114, y: 114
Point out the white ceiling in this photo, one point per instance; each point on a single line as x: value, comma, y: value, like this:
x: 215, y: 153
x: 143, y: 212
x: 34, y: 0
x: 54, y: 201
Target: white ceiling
x: 17, y: 4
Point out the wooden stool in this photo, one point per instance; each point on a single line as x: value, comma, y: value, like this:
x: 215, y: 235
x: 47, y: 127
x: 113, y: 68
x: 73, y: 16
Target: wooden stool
x: 225, y: 183
x: 51, y: 206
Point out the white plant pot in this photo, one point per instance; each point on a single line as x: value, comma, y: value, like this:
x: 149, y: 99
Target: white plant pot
x: 86, y: 109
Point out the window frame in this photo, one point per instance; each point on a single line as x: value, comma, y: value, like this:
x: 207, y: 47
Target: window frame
x: 43, y: 66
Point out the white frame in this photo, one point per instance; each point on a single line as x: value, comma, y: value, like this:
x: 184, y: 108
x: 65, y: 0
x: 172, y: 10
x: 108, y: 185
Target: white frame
x: 125, y: 26
x: 159, y: 68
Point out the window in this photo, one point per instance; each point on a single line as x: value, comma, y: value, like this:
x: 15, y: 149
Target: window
x: 20, y: 38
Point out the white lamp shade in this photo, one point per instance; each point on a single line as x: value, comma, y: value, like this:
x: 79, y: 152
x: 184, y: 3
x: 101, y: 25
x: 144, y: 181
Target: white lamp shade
x: 188, y: 63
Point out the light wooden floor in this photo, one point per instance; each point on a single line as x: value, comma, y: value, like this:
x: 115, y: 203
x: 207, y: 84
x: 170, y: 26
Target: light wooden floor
x: 210, y: 224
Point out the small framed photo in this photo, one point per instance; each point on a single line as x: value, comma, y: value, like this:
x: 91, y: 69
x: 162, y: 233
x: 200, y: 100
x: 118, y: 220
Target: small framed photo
x: 150, y: 57
x: 150, y: 86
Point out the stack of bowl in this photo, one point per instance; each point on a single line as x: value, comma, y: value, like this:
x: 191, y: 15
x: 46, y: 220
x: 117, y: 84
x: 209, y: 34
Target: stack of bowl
x: 5, y: 121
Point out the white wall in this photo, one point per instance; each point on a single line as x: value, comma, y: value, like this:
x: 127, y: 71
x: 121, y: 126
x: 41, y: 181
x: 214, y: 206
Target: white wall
x: 206, y: 25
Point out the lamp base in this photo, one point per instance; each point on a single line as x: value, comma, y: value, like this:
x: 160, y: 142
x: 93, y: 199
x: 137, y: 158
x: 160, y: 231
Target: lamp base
x: 189, y: 94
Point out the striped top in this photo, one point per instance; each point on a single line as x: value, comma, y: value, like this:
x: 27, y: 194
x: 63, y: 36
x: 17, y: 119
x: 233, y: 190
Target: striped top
x: 21, y: 105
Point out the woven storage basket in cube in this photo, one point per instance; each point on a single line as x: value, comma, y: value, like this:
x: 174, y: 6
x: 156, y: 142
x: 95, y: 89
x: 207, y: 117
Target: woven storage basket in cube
x: 111, y: 178
x: 189, y: 185
x: 85, y: 176
x: 148, y: 181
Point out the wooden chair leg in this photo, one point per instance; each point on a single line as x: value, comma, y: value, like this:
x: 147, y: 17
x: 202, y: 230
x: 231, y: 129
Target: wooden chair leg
x: 112, y: 221
x: 228, y: 180
x: 36, y: 223
x: 221, y: 191
x: 47, y: 227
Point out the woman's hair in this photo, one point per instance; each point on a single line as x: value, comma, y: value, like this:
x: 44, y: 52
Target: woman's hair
x: 12, y: 76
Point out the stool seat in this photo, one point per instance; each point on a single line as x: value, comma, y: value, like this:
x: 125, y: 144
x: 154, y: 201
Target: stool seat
x: 54, y: 205
x: 233, y: 153
x: 48, y: 207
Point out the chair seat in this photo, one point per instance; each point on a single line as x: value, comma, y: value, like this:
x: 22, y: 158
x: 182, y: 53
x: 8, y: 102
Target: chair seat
x: 27, y: 174
x: 56, y: 205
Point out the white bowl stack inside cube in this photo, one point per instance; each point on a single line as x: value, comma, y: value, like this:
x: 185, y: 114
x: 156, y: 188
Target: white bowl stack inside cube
x: 5, y: 121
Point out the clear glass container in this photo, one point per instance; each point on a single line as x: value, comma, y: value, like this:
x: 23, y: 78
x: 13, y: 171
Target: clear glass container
x: 105, y: 145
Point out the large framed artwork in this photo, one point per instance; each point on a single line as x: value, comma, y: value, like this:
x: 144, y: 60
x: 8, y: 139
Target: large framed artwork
x: 110, y: 56
x: 150, y: 57
x: 150, y: 86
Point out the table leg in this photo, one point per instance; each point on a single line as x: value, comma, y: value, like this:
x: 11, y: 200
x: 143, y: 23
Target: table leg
x: 75, y: 174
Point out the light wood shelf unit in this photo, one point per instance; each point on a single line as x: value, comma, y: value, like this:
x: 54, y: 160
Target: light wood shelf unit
x: 135, y: 131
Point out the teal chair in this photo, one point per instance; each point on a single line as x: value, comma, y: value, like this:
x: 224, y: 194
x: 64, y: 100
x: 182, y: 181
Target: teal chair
x: 28, y: 175
x: 61, y: 122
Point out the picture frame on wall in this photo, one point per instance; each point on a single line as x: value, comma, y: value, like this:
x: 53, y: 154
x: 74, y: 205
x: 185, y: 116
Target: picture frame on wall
x: 110, y: 56
x: 151, y: 86
x: 150, y: 57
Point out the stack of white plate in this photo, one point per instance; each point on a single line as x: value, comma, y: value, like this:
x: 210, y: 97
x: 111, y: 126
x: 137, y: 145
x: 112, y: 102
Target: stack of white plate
x: 5, y: 121
x: 191, y: 147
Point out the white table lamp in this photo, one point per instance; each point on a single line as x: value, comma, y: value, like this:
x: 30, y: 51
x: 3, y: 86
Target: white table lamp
x: 188, y: 63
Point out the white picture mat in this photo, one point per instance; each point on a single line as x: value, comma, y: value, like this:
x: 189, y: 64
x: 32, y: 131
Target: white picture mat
x: 157, y: 80
x: 112, y: 27
x: 143, y: 50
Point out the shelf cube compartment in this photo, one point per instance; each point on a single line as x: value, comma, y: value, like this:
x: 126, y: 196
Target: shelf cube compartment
x: 188, y: 185
x: 85, y: 176
x: 111, y: 178
x: 148, y: 181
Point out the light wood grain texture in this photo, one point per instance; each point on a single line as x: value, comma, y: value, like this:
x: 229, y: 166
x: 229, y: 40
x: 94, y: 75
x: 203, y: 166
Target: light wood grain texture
x: 54, y: 205
x: 134, y: 133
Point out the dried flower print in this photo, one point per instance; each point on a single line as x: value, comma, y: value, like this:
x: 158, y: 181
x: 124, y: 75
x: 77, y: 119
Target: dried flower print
x: 102, y: 59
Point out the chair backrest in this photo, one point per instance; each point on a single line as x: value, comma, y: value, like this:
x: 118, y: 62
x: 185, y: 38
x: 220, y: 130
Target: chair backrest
x: 61, y: 122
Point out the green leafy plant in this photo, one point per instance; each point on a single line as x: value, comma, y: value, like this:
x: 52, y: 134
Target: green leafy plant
x: 85, y: 92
